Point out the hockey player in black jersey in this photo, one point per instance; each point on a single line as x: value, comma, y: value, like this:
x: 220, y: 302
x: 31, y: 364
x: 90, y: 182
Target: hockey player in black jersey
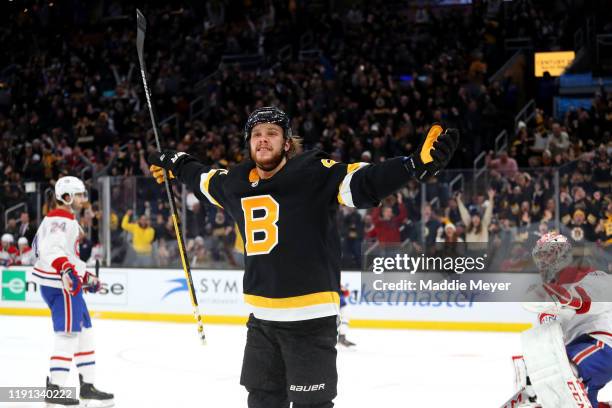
x: 285, y: 206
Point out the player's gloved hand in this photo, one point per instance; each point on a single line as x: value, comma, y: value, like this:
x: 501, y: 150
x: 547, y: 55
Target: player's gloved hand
x: 434, y: 154
x: 168, y: 160
x: 91, y: 283
x: 158, y: 173
x: 70, y: 279
x: 574, y: 298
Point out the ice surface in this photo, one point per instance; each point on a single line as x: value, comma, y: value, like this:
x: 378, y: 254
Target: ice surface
x: 163, y: 365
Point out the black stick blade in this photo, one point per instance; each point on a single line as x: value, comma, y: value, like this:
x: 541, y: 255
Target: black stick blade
x: 141, y: 23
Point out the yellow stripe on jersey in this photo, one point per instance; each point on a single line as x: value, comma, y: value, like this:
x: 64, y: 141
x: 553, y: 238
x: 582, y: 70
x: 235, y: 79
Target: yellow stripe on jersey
x: 354, y: 167
x: 311, y: 299
x: 204, y: 185
x: 328, y: 162
x: 345, y: 197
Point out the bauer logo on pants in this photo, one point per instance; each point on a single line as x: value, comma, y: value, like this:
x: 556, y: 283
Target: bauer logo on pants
x: 306, y: 388
x: 13, y: 285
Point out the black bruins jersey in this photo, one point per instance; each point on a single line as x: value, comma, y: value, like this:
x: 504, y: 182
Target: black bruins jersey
x: 288, y: 224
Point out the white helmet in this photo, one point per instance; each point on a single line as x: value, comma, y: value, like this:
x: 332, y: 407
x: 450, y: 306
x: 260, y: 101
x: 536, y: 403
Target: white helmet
x: 7, y: 238
x: 552, y: 253
x: 22, y: 241
x: 71, y: 186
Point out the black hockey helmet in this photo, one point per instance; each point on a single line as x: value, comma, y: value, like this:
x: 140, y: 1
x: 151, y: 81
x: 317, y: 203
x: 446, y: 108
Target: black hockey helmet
x: 268, y: 114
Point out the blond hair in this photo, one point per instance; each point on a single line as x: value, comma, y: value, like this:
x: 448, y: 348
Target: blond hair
x: 295, y: 146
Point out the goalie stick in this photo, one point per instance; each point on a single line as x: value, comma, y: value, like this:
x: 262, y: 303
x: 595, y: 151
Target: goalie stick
x: 140, y: 37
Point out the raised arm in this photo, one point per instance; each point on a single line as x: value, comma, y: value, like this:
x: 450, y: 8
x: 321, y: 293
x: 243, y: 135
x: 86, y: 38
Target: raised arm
x: 486, y: 220
x: 463, y: 212
x: 364, y: 185
x: 403, y: 212
x: 375, y: 214
x: 125, y: 222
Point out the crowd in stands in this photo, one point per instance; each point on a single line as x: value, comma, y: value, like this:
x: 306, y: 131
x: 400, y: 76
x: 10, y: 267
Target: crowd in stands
x: 73, y: 104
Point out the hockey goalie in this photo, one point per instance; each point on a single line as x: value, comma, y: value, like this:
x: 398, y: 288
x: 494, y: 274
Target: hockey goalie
x: 567, y: 359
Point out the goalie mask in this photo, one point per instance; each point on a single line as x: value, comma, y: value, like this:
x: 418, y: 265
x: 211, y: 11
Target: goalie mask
x: 551, y: 254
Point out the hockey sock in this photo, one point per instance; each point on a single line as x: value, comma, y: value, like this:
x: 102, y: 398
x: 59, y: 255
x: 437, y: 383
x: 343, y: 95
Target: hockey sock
x: 84, y: 357
x: 61, y: 358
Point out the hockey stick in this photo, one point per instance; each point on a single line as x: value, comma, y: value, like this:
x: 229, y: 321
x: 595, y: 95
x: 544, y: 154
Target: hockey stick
x: 97, y: 270
x: 140, y: 37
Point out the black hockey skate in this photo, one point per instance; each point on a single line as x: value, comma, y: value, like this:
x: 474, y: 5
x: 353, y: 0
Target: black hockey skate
x: 92, y: 397
x: 53, y: 397
x: 344, y: 341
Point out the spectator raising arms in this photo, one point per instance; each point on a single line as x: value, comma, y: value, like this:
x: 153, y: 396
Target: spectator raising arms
x: 142, y: 237
x: 476, y: 228
x: 386, y: 224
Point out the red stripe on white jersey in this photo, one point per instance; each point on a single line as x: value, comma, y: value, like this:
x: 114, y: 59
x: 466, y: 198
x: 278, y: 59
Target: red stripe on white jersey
x: 61, y: 358
x: 601, y: 333
x: 45, y: 272
x: 83, y: 353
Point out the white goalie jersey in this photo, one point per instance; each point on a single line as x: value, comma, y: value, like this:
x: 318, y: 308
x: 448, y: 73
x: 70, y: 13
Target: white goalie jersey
x: 57, y: 244
x: 592, y: 313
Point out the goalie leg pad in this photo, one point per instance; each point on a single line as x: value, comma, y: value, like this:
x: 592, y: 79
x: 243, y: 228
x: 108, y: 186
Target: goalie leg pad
x: 593, y: 358
x: 520, y: 372
x: 549, y: 369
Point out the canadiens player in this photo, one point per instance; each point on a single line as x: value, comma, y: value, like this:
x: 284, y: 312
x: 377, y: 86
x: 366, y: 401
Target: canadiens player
x: 8, y: 251
x: 62, y: 278
x: 344, y: 320
x: 583, y: 319
x: 285, y: 206
x: 26, y: 255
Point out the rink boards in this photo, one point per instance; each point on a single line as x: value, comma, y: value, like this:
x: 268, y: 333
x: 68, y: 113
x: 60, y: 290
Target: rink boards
x: 161, y: 295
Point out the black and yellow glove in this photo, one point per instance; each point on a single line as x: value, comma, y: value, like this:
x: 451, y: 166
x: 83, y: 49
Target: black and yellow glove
x: 434, y: 154
x: 167, y: 160
x: 158, y: 173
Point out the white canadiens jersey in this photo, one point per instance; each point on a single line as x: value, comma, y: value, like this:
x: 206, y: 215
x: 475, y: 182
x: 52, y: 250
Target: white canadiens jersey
x: 595, y: 316
x: 26, y: 258
x: 55, y: 245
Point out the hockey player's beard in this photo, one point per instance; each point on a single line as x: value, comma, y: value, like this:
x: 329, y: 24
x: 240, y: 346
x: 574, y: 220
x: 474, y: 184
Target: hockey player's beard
x: 271, y: 163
